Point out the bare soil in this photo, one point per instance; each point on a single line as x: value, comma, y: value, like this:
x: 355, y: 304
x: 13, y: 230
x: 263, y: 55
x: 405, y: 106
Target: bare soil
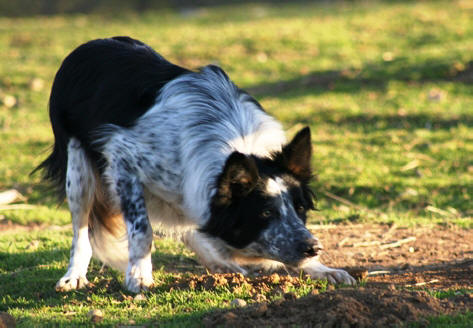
x: 400, y: 269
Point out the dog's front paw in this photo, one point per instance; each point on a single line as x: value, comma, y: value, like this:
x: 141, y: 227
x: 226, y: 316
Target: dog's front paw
x: 71, y: 282
x: 137, y: 285
x: 334, y: 276
x: 139, y: 278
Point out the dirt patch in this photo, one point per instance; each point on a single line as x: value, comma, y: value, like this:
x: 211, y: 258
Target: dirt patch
x: 397, y: 265
x: 7, y: 226
x: 360, y: 307
x: 374, y: 246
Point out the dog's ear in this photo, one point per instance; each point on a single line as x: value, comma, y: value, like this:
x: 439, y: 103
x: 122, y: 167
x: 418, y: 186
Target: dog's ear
x: 297, y: 155
x: 238, y: 178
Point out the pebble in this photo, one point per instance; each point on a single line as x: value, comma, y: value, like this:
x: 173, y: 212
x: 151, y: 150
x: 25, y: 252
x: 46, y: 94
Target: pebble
x: 238, y: 302
x: 9, y: 101
x: 314, y: 292
x: 262, y: 308
x: 95, y: 315
x: 230, y: 316
x: 36, y: 84
x: 140, y: 297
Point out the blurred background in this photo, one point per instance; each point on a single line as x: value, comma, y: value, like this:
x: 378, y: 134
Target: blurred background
x: 385, y: 85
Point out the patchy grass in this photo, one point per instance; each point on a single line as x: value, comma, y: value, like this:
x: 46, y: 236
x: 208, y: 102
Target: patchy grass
x: 385, y: 86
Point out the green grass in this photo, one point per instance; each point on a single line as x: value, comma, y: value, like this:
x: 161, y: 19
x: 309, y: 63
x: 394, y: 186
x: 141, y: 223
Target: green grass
x: 376, y: 81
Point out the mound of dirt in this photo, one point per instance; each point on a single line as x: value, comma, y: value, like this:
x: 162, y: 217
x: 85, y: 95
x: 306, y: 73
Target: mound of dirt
x: 342, y: 308
x: 236, y: 282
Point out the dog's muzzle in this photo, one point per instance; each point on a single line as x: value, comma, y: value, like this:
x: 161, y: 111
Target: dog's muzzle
x: 310, y: 247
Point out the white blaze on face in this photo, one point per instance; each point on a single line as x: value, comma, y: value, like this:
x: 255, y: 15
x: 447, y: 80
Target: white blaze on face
x: 277, y: 188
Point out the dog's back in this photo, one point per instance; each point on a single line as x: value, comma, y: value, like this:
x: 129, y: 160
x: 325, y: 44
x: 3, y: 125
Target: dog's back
x: 104, y: 81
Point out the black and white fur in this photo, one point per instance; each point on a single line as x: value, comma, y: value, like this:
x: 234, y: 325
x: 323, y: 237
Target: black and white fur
x: 140, y: 142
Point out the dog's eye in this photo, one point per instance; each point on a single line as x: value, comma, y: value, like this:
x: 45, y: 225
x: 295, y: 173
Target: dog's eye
x: 300, y: 209
x: 267, y: 214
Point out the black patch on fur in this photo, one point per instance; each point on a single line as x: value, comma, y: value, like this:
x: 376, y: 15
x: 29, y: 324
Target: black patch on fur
x: 296, y: 156
x: 104, y: 81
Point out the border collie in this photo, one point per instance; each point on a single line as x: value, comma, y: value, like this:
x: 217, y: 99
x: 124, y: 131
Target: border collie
x: 141, y: 142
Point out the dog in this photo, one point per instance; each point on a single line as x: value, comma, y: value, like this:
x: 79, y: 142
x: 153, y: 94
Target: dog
x: 142, y: 143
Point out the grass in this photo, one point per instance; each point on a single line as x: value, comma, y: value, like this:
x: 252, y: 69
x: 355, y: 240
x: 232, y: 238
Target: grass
x: 378, y: 82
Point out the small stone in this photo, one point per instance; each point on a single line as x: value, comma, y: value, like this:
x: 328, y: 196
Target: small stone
x: 238, y: 302
x: 139, y: 297
x: 6, y: 320
x: 314, y: 292
x: 412, y: 249
x: 9, y: 101
x: 262, y: 308
x: 95, y: 315
x: 259, y: 298
x: 388, y: 56
x: 230, y: 316
x: 36, y: 84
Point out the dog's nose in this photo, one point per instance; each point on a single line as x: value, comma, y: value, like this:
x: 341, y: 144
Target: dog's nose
x: 310, y: 247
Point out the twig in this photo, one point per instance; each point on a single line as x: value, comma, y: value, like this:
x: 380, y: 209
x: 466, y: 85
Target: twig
x: 423, y: 283
x: 10, y: 196
x: 367, y: 243
x: 343, y: 241
x: 398, y: 243
x: 321, y: 226
x: 439, y: 211
x: 348, y: 203
x: 341, y: 199
x: 17, y: 207
x: 375, y: 273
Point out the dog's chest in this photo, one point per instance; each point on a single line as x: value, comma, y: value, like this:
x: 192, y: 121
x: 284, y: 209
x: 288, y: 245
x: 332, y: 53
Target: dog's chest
x: 164, y: 213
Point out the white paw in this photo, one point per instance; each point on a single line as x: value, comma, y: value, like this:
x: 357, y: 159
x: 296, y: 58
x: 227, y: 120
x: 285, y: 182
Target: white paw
x: 334, y: 276
x: 139, y: 277
x: 137, y: 285
x: 71, y: 282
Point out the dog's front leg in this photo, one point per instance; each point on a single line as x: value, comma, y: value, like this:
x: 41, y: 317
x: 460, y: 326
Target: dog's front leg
x: 140, y: 236
x: 319, y: 271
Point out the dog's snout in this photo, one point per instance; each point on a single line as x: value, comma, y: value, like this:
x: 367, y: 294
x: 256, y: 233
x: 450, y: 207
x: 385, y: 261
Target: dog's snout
x: 310, y: 247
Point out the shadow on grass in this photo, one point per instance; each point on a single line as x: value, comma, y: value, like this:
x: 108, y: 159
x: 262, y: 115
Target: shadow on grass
x: 371, y: 122
x: 395, y: 198
x: 373, y: 76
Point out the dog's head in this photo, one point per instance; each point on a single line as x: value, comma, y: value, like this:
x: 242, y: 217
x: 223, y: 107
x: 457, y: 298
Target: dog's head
x: 261, y: 204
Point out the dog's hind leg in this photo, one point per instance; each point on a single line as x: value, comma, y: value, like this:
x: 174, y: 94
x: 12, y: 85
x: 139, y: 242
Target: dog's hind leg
x: 80, y: 188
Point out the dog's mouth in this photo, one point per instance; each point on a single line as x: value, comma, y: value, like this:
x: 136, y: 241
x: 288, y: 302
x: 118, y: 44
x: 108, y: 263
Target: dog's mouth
x: 293, y: 256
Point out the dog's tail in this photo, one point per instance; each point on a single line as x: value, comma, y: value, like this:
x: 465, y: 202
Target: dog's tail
x: 54, y: 167
x: 107, y: 233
